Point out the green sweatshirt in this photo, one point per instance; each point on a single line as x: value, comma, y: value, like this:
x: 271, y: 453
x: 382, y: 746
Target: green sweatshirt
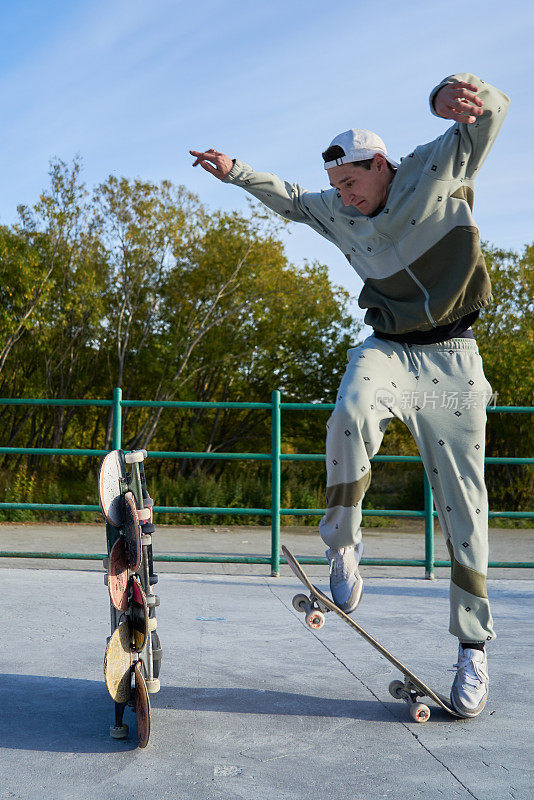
x: 420, y: 257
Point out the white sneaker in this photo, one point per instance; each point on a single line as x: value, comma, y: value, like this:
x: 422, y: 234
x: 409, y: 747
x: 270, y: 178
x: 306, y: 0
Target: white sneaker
x: 470, y: 686
x: 346, y: 584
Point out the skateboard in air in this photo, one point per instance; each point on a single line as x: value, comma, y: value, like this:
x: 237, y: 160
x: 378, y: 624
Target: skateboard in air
x: 315, y: 605
x: 133, y: 653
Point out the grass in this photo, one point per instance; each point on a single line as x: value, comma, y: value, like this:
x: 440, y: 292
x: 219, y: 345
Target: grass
x: 239, y: 486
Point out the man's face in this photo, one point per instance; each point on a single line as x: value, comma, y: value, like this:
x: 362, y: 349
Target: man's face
x: 365, y: 189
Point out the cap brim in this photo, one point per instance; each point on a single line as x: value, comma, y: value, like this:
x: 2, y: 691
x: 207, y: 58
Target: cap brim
x: 363, y: 155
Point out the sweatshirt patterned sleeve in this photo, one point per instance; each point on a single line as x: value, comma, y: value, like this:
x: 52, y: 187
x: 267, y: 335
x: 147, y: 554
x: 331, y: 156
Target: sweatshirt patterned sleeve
x: 463, y: 148
x: 289, y: 200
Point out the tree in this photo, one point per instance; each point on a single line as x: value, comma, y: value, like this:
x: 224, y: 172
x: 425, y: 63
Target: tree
x: 505, y: 333
x: 139, y: 286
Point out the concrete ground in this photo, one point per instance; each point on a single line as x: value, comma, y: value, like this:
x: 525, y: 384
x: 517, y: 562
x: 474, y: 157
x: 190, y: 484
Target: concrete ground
x: 254, y: 704
x: 405, y: 540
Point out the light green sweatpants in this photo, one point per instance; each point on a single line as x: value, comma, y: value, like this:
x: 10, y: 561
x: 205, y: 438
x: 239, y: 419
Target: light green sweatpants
x: 440, y: 392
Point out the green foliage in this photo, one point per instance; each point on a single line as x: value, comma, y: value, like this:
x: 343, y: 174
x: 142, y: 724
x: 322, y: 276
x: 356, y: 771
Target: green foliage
x: 136, y: 284
x: 20, y: 489
x: 505, y: 334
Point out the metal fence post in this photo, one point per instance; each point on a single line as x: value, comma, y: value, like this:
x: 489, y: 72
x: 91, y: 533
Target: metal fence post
x: 275, y: 483
x: 429, y: 530
x: 116, y: 419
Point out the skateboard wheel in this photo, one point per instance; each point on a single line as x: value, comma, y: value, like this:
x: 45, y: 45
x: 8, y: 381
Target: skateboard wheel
x: 135, y: 457
x: 300, y: 601
x: 143, y: 514
x: 153, y: 685
x: 396, y: 689
x: 149, y: 528
x: 118, y: 731
x: 152, y: 600
x: 152, y: 624
x: 315, y: 619
x: 148, y: 502
x: 419, y: 712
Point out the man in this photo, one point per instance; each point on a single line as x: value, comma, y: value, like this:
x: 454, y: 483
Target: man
x: 408, y: 231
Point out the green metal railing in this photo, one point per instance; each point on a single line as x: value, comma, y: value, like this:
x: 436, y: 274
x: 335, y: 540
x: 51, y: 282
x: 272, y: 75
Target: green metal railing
x: 276, y: 459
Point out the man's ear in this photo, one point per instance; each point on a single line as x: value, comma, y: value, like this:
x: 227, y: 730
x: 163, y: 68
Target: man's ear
x: 380, y: 161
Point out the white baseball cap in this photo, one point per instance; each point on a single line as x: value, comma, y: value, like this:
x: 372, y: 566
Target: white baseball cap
x: 357, y: 144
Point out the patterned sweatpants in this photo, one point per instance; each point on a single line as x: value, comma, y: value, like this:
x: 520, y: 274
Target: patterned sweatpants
x: 440, y: 392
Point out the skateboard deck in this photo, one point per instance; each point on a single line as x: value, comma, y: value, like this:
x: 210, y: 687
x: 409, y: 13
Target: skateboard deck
x: 109, y: 488
x: 408, y: 690
x: 138, y: 613
x: 118, y: 575
x: 118, y: 664
x: 142, y: 707
x: 132, y: 533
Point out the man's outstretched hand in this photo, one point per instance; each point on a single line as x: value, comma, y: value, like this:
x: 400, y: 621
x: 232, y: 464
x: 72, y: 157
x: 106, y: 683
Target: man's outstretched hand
x: 214, y: 162
x: 458, y: 101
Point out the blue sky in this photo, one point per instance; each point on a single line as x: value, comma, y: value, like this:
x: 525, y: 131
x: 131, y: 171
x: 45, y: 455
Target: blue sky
x: 132, y: 85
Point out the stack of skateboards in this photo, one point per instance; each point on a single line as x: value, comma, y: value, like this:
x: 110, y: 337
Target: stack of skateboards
x: 133, y: 653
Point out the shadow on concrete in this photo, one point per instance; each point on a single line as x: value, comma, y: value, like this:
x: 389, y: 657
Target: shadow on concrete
x: 438, y: 590
x: 62, y: 715
x: 383, y: 590
x: 257, y: 701
x: 67, y: 715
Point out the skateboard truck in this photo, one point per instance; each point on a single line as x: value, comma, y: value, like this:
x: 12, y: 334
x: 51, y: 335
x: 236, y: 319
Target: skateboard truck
x: 312, y: 608
x: 407, y: 691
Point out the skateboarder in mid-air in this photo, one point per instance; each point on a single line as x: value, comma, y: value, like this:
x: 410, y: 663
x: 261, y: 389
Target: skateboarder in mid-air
x: 408, y: 231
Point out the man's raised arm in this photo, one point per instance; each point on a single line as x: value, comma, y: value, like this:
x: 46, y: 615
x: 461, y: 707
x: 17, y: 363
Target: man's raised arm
x: 288, y: 200
x: 479, y: 110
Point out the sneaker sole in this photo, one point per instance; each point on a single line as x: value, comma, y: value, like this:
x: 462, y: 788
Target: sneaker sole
x: 468, y: 712
x: 348, y: 609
